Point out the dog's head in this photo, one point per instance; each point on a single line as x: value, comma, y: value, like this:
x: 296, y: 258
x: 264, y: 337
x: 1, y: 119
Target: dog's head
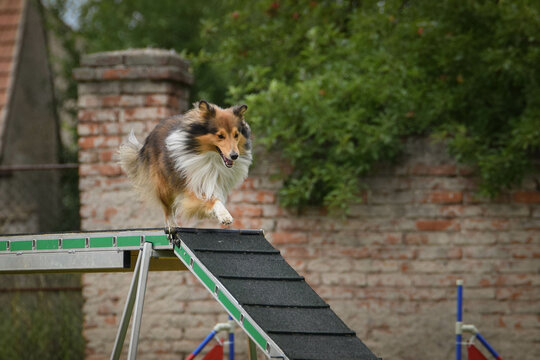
x: 224, y: 131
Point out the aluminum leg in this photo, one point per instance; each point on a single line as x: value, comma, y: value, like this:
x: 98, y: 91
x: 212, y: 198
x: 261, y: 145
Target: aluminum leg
x: 126, y: 314
x: 139, y: 301
x: 252, y: 349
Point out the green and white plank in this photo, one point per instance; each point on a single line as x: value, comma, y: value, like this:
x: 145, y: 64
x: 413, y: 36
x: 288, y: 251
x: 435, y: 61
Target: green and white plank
x: 229, y: 303
x: 89, y: 250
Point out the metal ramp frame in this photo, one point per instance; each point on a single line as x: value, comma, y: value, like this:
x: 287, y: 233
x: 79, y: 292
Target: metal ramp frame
x: 265, y: 296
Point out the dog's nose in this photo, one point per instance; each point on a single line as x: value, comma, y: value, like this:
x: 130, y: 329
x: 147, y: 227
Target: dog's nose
x: 234, y: 155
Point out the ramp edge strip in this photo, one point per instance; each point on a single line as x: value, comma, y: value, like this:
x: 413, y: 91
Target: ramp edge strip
x: 229, y: 303
x: 83, y: 241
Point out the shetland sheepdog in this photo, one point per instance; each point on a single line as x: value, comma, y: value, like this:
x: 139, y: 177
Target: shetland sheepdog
x: 190, y: 163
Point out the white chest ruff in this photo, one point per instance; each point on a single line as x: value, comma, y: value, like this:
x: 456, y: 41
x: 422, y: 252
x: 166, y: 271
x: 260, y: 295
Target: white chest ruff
x: 206, y: 175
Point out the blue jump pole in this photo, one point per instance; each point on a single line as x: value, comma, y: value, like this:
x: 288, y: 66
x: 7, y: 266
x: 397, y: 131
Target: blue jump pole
x: 488, y: 346
x: 459, y: 317
x: 231, y: 342
x: 202, y: 345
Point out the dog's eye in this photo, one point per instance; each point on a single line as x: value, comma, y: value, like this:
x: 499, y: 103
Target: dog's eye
x: 236, y: 136
x: 221, y: 136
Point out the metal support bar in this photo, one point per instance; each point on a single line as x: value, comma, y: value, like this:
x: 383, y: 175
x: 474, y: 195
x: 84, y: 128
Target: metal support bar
x: 126, y: 314
x: 252, y: 349
x: 139, y: 301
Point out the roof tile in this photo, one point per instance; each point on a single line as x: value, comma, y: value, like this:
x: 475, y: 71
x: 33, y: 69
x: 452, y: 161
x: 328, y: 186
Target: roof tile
x: 10, y: 17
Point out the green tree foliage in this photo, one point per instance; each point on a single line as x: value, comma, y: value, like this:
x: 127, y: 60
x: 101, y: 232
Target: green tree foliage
x: 336, y: 85
x: 169, y: 24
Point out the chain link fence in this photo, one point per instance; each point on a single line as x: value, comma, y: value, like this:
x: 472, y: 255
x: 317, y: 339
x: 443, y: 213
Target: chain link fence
x: 39, y: 198
x: 41, y: 312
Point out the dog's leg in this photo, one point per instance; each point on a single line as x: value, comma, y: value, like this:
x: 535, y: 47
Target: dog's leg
x: 194, y: 207
x: 221, y: 213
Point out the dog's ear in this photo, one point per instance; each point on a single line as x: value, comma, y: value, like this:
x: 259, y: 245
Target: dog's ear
x: 206, y: 109
x: 239, y: 110
x: 245, y: 130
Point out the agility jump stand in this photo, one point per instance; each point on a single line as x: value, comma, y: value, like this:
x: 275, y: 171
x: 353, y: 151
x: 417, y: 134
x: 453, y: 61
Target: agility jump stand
x: 229, y: 328
x: 465, y: 328
x: 279, y: 312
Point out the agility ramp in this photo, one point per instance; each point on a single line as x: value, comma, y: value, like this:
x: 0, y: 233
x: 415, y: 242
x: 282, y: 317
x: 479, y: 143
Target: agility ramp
x: 265, y: 296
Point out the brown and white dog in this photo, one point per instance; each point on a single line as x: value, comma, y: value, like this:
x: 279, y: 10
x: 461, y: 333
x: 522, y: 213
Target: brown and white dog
x: 190, y: 163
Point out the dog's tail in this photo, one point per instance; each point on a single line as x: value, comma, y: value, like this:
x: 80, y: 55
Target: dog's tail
x: 129, y: 158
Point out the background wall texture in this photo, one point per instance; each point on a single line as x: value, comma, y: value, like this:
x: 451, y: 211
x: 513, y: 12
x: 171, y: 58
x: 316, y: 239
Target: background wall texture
x: 388, y: 269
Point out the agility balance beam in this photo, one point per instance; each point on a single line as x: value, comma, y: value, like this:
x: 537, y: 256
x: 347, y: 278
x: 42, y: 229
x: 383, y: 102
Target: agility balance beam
x: 243, y: 272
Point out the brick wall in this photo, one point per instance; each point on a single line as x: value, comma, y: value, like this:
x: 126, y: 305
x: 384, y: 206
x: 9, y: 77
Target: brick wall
x: 388, y: 270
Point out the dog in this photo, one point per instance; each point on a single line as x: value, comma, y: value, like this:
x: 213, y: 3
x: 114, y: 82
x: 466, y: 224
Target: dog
x: 190, y: 163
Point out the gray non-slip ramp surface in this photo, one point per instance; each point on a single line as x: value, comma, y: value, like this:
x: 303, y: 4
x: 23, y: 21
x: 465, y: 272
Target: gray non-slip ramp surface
x: 274, y: 295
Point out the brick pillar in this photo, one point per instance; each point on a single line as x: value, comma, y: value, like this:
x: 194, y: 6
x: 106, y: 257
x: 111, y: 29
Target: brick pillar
x: 120, y: 91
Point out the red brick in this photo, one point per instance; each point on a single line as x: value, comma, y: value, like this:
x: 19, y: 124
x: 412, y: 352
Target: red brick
x: 161, y: 99
x: 303, y: 224
x: 10, y: 18
x: 356, y: 252
x: 11, y: 6
x: 99, y: 169
x: 439, y: 170
x: 527, y: 197
x: 88, y: 157
x: 416, y: 239
x: 248, y: 184
x: 113, y: 74
x: 444, y: 197
x: 107, y: 155
x: 98, y: 115
x: 279, y: 238
x: 300, y: 252
x: 483, y: 252
x: 110, y: 212
x: 439, y: 252
x: 438, y: 225
x: 460, y: 210
x: 400, y: 253
x: 89, y: 101
x: 85, y: 129
x: 466, y: 170
x: 475, y: 198
x: 518, y: 280
x: 518, y: 293
x: 245, y: 210
x: 434, y: 280
x: 123, y: 100
x: 273, y: 210
x: 344, y: 279
x: 8, y: 34
x: 486, y: 224
x: 111, y: 100
x: 94, y: 142
x: 397, y: 280
x: 335, y: 292
x: 144, y: 113
x: 327, y: 264
x: 5, y: 67
x: 251, y: 196
x: 253, y: 223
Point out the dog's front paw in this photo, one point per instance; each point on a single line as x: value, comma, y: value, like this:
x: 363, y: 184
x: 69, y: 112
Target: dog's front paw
x: 222, y: 214
x: 226, y: 219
